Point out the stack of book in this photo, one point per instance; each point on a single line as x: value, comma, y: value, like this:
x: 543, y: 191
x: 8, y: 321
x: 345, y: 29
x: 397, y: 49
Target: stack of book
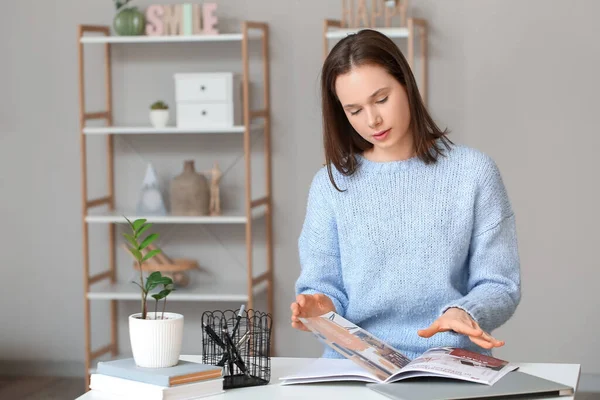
x: 184, y: 381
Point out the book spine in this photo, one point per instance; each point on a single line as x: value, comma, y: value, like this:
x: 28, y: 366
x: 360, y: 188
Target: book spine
x: 178, y: 380
x: 121, y: 389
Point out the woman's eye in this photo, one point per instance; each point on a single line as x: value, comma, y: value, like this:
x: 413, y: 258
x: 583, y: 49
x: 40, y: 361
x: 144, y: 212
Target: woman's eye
x: 382, y: 100
x: 354, y: 112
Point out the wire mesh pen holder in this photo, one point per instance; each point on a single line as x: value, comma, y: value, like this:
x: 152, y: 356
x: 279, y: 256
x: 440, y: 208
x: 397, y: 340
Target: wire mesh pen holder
x: 242, y: 348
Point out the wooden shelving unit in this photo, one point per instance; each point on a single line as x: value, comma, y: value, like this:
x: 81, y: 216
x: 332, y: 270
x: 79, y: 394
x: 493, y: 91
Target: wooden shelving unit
x: 104, y: 286
x: 333, y: 30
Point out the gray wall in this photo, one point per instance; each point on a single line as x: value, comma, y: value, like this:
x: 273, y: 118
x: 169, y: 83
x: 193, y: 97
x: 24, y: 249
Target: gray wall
x: 514, y: 79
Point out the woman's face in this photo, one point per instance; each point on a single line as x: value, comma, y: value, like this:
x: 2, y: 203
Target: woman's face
x: 376, y: 105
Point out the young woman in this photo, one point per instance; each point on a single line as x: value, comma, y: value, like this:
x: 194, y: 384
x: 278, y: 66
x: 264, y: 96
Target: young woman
x: 406, y: 234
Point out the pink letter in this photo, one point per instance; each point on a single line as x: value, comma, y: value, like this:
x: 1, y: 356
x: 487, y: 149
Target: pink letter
x: 154, y: 26
x: 210, y: 20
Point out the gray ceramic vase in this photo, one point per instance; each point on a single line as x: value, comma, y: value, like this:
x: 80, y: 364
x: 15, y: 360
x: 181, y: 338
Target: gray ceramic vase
x: 189, y: 192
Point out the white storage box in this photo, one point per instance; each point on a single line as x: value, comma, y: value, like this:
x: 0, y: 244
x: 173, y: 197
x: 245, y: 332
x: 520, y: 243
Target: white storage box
x: 208, y: 99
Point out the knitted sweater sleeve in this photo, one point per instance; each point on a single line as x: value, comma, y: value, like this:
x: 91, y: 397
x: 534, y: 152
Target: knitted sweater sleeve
x: 318, y: 247
x: 494, y: 285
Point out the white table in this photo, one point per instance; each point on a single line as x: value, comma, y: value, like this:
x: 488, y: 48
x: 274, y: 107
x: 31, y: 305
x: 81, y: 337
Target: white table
x: 567, y: 374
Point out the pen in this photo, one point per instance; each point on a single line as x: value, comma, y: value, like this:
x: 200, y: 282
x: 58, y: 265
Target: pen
x: 235, y: 358
x: 237, y: 322
x: 229, y: 350
x: 213, y: 336
x: 244, y: 339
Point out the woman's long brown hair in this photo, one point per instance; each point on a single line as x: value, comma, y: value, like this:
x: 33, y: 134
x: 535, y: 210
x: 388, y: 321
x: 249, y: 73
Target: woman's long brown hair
x: 341, y: 141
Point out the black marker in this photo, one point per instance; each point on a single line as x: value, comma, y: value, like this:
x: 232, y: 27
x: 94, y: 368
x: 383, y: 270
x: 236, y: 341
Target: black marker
x: 237, y: 322
x: 214, y: 336
x: 229, y: 351
x: 238, y: 360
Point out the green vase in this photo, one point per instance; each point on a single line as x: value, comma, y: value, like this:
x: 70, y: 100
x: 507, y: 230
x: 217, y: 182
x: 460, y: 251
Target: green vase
x: 129, y: 22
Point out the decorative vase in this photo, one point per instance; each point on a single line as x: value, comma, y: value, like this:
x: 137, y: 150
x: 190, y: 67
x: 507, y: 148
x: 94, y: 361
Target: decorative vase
x: 156, y: 343
x: 189, y: 192
x: 159, y: 118
x: 129, y: 22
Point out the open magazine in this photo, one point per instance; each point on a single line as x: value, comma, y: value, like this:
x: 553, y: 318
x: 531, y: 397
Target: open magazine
x: 369, y: 359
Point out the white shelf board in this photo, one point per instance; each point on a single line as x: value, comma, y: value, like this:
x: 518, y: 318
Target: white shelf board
x: 117, y: 217
x: 169, y: 130
x: 389, y: 32
x: 222, y: 37
x: 203, y: 291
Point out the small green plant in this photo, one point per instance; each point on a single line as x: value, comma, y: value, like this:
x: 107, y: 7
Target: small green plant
x: 159, y: 105
x: 136, y: 246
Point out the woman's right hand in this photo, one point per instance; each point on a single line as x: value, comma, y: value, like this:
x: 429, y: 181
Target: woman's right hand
x: 309, y: 305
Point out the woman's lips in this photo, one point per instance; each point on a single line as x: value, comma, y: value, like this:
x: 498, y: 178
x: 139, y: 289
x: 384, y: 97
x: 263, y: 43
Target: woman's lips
x: 381, y: 135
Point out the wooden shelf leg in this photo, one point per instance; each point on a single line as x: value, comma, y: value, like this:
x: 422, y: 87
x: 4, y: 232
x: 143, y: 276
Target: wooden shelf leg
x: 83, y: 117
x: 248, y: 116
x: 84, y: 226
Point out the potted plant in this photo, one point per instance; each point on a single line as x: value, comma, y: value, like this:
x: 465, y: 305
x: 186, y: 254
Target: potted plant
x: 155, y: 337
x: 129, y: 21
x: 159, y: 114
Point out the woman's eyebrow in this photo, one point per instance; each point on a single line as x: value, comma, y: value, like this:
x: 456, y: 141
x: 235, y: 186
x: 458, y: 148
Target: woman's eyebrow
x: 375, y: 93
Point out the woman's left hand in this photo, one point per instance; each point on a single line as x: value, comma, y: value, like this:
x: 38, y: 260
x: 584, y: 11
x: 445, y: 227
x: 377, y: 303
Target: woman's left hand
x: 457, y: 320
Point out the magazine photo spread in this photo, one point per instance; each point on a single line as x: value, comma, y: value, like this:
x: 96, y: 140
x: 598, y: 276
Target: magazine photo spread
x: 369, y: 359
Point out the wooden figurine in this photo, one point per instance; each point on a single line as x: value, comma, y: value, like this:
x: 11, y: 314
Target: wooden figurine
x: 215, y: 201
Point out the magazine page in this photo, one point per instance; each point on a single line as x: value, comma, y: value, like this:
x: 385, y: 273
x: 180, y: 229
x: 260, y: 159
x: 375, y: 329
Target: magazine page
x: 461, y: 364
x: 329, y: 370
x: 357, y: 345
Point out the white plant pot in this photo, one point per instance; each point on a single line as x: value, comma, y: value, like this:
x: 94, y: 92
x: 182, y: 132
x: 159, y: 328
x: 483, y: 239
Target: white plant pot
x: 156, y: 343
x: 159, y: 118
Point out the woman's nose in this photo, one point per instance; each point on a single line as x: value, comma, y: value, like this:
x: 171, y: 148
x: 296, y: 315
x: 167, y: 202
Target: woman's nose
x: 374, y: 120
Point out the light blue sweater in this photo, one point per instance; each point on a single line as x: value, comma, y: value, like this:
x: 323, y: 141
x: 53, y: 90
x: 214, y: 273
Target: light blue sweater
x: 407, y: 240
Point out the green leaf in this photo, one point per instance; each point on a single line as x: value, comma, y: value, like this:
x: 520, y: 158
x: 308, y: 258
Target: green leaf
x: 150, y: 285
x: 131, y: 240
x: 165, y: 280
x: 143, y: 229
x: 151, y: 238
x: 161, y: 295
x: 129, y: 222
x: 138, y: 223
x: 136, y: 253
x: 155, y: 276
x: 153, y: 280
x: 151, y: 254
